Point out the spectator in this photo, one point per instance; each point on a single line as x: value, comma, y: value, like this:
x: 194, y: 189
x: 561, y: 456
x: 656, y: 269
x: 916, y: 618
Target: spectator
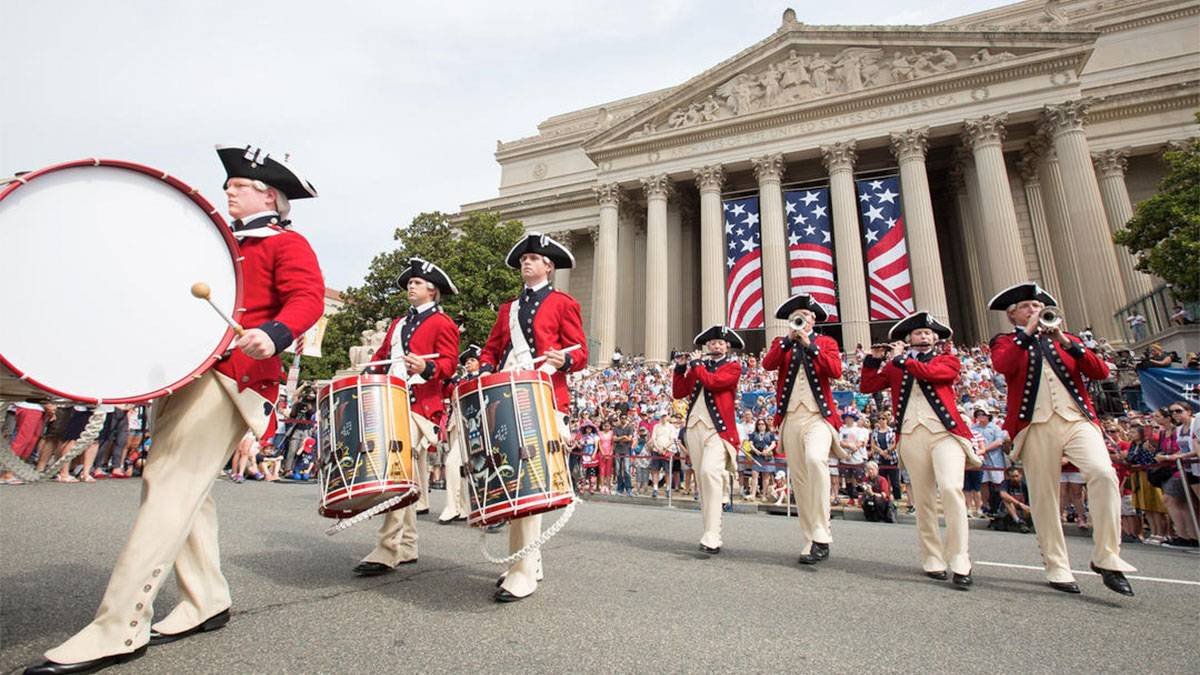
x: 623, y: 437
x: 1180, y: 317
x: 29, y: 420
x: 854, y: 438
x: 883, y: 452
x: 1179, y: 447
x: 877, y: 496
x: 641, y: 460
x: 762, y: 447
x: 1146, y: 496
x: 1014, y: 497
x: 590, y: 459
x: 663, y: 447
x: 604, y: 452
x: 993, y: 457
x: 1137, y: 323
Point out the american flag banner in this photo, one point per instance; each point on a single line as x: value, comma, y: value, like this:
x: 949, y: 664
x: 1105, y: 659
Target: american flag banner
x: 810, y: 246
x: 889, y: 282
x: 743, y: 263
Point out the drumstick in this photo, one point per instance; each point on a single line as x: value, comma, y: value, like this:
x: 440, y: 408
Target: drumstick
x: 385, y: 362
x: 201, y: 291
x: 564, y: 350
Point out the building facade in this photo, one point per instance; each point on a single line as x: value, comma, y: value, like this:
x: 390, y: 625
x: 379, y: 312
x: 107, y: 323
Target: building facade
x: 1021, y: 137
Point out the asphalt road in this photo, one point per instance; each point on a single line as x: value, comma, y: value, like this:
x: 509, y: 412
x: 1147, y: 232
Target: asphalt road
x: 625, y: 591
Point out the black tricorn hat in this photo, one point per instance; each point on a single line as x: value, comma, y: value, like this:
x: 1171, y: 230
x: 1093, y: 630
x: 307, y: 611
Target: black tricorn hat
x: 1021, y: 292
x: 720, y: 333
x: 423, y: 269
x: 917, y: 320
x: 471, y: 352
x: 542, y: 244
x: 247, y: 161
x: 801, y: 301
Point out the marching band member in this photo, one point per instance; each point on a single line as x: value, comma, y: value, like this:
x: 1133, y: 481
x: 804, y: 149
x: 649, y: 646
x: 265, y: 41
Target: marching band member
x: 711, y: 430
x: 807, y: 416
x: 197, y: 427
x: 542, y: 321
x: 424, y: 330
x: 457, y: 505
x: 934, y: 441
x: 1050, y: 415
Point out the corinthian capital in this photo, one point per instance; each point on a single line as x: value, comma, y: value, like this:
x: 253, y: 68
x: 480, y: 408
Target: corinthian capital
x: 608, y: 194
x: 1111, y: 163
x: 594, y: 233
x: 986, y: 130
x: 911, y: 144
x: 563, y: 237
x: 1069, y: 116
x: 657, y: 186
x: 709, y: 178
x: 768, y: 167
x: 839, y: 156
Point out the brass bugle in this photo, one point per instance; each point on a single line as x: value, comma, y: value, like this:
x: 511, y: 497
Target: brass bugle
x: 1050, y: 317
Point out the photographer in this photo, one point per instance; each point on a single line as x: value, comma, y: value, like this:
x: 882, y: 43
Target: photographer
x: 877, y: 502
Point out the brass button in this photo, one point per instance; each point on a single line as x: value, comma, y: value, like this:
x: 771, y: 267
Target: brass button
x: 129, y: 643
x: 146, y: 588
x: 138, y: 606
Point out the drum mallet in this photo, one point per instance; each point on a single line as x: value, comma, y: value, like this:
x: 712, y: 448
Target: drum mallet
x: 387, y: 362
x: 565, y: 350
x: 201, y: 291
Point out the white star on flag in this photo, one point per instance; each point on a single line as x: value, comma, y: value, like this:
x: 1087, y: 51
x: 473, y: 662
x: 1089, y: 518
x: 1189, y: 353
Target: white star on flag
x: 729, y: 225
x: 819, y: 212
x: 751, y: 219
x: 891, y: 222
x: 872, y: 235
x: 790, y: 207
x: 810, y: 197
x: 864, y: 197
x: 739, y: 232
x: 793, y: 240
x: 874, y: 213
x: 876, y: 184
x: 825, y: 234
x: 729, y: 262
x: 738, y: 209
x: 888, y: 196
x: 748, y: 245
x: 810, y: 230
x: 799, y: 219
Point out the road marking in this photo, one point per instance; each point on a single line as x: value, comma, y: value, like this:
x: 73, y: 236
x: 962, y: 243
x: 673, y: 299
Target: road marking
x: 1090, y: 573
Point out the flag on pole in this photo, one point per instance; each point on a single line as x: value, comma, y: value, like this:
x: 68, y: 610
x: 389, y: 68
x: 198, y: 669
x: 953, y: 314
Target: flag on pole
x: 810, y: 246
x: 889, y: 282
x: 743, y: 263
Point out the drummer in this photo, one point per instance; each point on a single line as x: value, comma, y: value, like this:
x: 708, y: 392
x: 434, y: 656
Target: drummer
x: 421, y: 345
x: 544, y: 323
x: 198, y: 426
x: 457, y: 506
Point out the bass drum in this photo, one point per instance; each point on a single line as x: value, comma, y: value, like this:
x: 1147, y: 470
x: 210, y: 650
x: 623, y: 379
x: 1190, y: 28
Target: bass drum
x: 100, y: 256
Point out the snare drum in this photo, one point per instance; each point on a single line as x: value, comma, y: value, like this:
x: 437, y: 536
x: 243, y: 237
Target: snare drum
x: 365, y: 446
x: 110, y: 250
x: 516, y: 463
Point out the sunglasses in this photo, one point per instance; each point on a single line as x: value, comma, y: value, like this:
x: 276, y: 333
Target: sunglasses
x: 1176, y: 410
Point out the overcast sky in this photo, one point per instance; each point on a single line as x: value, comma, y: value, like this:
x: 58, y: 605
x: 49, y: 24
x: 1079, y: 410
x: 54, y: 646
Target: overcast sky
x: 390, y: 108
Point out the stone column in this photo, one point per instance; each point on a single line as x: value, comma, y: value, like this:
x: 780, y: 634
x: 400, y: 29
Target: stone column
x: 562, y: 278
x: 1058, y: 223
x: 1089, y: 226
x: 978, y: 309
x: 1001, y: 237
x: 983, y: 261
x: 924, y: 257
x: 851, y: 275
x: 1037, y: 216
x: 769, y: 172
x: 657, y: 280
x: 604, y: 294
x: 1110, y: 166
x: 712, y: 245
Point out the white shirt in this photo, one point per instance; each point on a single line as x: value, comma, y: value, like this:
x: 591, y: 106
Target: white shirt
x: 260, y: 214
x: 539, y: 286
x: 428, y: 305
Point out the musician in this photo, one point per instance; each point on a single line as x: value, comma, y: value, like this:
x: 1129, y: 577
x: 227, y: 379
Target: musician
x: 410, y: 340
x: 807, y: 416
x: 709, y: 381
x: 198, y: 426
x: 1050, y: 416
x: 542, y: 321
x: 934, y: 440
x: 457, y: 505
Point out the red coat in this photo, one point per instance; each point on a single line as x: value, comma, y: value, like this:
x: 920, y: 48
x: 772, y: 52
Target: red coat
x: 718, y: 384
x: 283, y: 294
x: 1020, y: 357
x: 821, y: 362
x: 436, y: 333
x: 934, y: 377
x: 557, y: 324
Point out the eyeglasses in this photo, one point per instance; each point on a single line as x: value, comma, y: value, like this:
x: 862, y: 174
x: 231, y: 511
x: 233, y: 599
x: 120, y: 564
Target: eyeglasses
x: 1176, y: 410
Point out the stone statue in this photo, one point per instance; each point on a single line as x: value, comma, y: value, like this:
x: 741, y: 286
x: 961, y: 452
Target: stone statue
x: 372, y: 339
x: 820, y: 68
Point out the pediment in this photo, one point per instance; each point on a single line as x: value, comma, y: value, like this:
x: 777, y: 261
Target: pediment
x: 802, y: 64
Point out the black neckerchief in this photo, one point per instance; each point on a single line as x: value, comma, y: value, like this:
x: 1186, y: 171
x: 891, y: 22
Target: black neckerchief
x: 412, y: 320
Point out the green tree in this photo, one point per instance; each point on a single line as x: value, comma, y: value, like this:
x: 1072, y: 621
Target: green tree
x: 1164, y: 233
x: 472, y: 253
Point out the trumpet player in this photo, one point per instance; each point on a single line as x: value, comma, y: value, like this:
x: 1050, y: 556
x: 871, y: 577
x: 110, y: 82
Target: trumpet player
x: 1050, y: 416
x: 806, y: 416
x: 934, y: 440
x: 709, y: 382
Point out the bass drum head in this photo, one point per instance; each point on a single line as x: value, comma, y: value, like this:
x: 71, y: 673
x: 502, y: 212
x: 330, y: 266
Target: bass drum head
x: 100, y: 257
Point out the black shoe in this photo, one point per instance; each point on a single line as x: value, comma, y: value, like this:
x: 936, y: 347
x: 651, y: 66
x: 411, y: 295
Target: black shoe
x: 709, y: 550
x: 52, y: 668
x: 421, y: 512
x: 962, y: 581
x: 492, y: 529
x: 212, y: 623
x: 817, y: 553
x: 1115, y: 581
x: 938, y: 576
x: 374, y: 569
x: 1064, y: 586
x: 502, y: 595
x: 448, y: 521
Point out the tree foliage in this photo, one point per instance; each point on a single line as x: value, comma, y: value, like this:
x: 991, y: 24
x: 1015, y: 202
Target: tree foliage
x: 1165, y: 229
x: 471, y: 252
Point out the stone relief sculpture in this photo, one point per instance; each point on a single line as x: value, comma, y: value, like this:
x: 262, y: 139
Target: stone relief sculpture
x: 800, y: 77
x: 372, y: 339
